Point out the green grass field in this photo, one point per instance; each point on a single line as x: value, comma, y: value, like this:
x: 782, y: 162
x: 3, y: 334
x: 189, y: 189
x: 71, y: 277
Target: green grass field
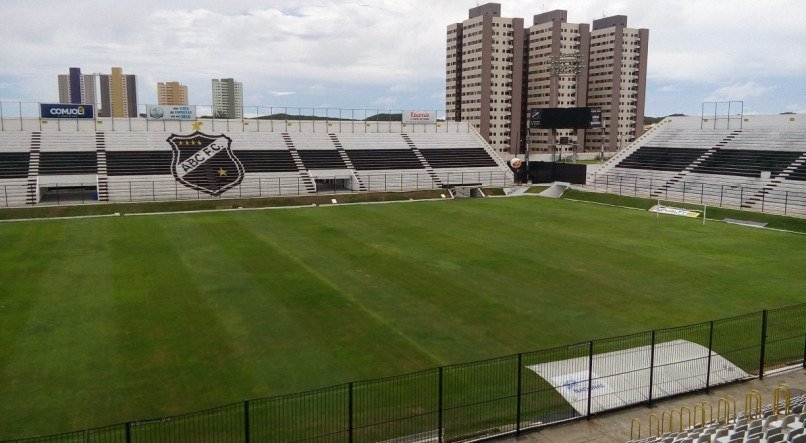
x: 114, y: 319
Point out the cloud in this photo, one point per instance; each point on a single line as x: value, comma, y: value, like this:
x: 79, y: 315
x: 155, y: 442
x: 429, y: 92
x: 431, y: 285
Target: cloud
x: 738, y: 91
x: 669, y: 88
x: 281, y: 93
x: 357, y: 53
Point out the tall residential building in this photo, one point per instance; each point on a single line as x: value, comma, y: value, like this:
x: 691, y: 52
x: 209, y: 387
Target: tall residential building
x: 118, y: 94
x: 617, y: 83
x: 172, y: 93
x: 551, y: 36
x: 227, y: 98
x: 494, y: 81
x: 76, y: 88
x: 484, y: 64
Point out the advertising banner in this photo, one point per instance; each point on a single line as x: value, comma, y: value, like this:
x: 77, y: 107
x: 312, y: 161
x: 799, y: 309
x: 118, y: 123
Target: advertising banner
x: 419, y: 117
x: 170, y: 112
x: 660, y: 209
x: 65, y: 110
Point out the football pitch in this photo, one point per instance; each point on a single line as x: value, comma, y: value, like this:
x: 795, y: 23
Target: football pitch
x: 113, y: 319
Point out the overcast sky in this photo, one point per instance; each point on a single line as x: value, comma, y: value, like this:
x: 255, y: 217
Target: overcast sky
x: 386, y: 54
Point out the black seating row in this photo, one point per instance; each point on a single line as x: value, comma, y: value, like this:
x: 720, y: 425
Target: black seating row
x: 138, y: 162
x: 458, y: 158
x: 159, y: 162
x: 68, y: 163
x: 321, y: 159
x: 746, y: 163
x: 799, y: 173
x: 266, y: 160
x: 379, y: 159
x: 660, y: 158
x: 14, y: 164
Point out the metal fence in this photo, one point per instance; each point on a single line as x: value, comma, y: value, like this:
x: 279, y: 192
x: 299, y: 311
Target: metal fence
x: 15, y: 115
x: 478, y: 400
x: 735, y: 196
x: 168, y: 189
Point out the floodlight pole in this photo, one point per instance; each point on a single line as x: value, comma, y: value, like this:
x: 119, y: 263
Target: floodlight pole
x: 564, y: 64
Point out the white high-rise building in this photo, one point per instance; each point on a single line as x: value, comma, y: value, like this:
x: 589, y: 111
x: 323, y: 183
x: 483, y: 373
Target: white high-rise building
x: 227, y: 98
x: 497, y: 72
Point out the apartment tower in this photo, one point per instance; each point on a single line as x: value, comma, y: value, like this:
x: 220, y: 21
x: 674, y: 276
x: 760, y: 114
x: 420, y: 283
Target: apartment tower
x: 617, y: 81
x: 484, y: 63
x: 172, y: 93
x: 76, y: 87
x: 227, y: 98
x: 497, y: 72
x: 551, y: 36
x: 118, y: 94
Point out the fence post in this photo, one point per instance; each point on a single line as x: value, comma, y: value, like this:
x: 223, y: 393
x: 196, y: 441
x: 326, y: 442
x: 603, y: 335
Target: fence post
x: 439, y: 411
x: 128, y: 432
x: 520, y: 391
x: 246, y: 421
x: 350, y: 412
x: 721, y: 194
x: 710, y: 351
x: 651, y: 366
x: 590, y: 376
x: 741, y: 197
x: 786, y: 200
x: 763, y: 344
x: 804, y: 352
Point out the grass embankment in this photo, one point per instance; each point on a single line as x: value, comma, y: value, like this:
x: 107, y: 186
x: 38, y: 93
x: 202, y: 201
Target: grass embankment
x: 712, y: 212
x: 199, y: 205
x: 106, y: 320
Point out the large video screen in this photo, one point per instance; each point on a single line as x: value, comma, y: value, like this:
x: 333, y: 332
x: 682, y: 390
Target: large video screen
x: 566, y: 118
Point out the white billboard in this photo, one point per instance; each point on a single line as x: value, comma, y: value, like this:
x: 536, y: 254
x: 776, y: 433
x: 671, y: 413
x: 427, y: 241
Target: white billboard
x: 170, y: 112
x: 419, y: 116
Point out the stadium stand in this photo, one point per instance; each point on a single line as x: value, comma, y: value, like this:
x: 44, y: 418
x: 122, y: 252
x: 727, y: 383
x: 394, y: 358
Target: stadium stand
x: 133, y: 161
x: 757, y: 167
x: 15, y: 160
x: 784, y: 421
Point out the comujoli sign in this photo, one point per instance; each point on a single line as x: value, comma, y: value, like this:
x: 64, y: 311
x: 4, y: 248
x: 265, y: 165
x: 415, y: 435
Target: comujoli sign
x: 65, y: 110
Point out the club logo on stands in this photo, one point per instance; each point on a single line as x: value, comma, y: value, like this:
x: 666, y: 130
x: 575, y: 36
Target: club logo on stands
x: 205, y: 162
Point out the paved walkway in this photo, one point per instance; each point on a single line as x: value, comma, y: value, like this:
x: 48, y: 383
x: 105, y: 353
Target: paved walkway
x: 615, y: 427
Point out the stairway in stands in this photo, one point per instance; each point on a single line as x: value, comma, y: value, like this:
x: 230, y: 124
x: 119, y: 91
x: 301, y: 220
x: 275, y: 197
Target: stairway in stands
x: 773, y: 183
x: 103, y: 180
x: 422, y: 159
x: 32, y: 195
x: 680, y: 175
x: 347, y: 161
x: 303, y: 171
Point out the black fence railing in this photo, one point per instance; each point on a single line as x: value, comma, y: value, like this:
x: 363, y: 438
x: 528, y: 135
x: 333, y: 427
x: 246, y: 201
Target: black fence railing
x: 168, y: 189
x: 743, y: 197
x: 495, y: 397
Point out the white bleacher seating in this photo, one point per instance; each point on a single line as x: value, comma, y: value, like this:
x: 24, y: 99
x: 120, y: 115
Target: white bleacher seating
x: 769, y: 427
x: 759, y: 167
x: 135, y: 165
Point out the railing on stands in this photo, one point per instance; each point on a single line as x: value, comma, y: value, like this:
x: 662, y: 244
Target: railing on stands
x: 474, y: 401
x: 17, y: 116
x: 168, y: 189
x: 742, y: 197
